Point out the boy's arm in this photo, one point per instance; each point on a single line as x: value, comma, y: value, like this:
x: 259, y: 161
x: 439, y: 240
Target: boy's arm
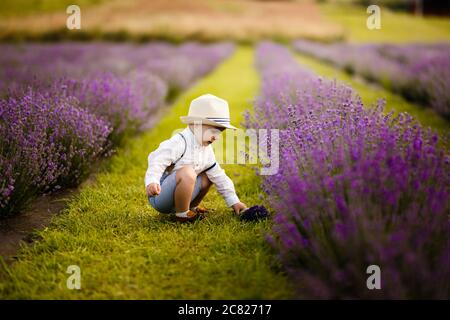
x: 224, y: 184
x: 162, y: 157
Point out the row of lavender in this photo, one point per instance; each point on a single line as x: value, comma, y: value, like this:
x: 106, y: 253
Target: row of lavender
x: 420, y: 72
x: 355, y: 188
x: 62, y: 106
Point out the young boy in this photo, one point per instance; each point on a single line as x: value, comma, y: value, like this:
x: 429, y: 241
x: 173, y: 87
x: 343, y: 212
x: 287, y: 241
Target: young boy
x: 182, y: 169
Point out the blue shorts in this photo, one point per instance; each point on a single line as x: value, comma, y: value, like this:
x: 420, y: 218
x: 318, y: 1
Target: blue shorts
x: 165, y: 201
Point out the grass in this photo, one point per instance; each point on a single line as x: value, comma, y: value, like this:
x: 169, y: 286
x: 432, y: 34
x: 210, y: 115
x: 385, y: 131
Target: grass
x: 212, y: 20
x: 21, y: 8
x: 125, y: 249
x: 371, y: 93
x: 175, y: 20
x: 396, y: 27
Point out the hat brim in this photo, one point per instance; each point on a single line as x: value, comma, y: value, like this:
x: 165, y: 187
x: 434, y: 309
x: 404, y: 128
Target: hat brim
x: 191, y: 120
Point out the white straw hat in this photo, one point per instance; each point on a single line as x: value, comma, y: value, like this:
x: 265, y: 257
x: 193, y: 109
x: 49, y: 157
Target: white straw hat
x: 209, y: 109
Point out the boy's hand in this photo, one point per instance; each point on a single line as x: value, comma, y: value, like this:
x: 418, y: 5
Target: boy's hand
x: 238, y: 207
x: 153, y: 189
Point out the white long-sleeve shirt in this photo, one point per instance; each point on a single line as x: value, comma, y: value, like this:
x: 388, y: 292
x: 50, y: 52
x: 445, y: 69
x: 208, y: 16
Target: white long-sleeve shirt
x: 197, y: 156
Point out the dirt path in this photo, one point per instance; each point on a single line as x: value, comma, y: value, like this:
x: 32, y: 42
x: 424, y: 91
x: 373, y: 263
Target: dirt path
x: 17, y: 230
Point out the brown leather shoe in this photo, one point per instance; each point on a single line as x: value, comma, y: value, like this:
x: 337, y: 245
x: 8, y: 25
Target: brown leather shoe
x: 191, y: 216
x: 201, y: 209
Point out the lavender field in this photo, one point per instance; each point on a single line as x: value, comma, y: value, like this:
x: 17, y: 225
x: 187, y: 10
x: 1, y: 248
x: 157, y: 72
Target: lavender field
x: 65, y: 105
x: 419, y: 72
x: 356, y: 186
x: 359, y: 200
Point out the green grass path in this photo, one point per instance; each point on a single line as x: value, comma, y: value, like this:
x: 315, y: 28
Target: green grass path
x: 370, y: 94
x: 125, y: 249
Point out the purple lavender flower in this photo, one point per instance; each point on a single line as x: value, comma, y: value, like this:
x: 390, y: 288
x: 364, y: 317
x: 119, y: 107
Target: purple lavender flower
x: 46, y: 140
x: 419, y: 72
x: 355, y: 187
x: 64, y: 105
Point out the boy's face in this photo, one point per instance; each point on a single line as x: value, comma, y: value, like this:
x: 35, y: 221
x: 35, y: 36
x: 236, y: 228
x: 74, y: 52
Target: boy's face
x: 209, y: 134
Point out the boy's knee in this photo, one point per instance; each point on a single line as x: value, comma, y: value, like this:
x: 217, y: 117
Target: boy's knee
x: 186, y: 173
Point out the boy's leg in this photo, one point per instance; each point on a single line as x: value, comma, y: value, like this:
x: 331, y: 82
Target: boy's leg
x: 206, y: 184
x: 185, y: 182
x: 165, y: 201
